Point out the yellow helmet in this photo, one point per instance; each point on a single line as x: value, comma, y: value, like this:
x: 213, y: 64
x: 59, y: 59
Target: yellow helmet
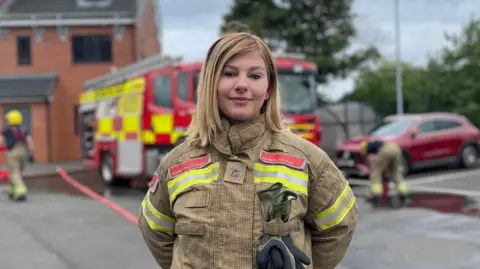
x: 363, y: 147
x: 14, y: 117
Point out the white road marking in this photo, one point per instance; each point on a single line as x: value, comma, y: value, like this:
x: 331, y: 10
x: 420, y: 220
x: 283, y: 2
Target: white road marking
x: 434, y: 178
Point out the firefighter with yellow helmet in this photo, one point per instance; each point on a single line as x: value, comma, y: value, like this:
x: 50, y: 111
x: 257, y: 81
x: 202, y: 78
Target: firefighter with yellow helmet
x: 15, y: 138
x: 384, y: 159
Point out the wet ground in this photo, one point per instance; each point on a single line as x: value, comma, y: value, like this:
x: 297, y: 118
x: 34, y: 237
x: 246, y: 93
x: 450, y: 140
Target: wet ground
x: 66, y: 229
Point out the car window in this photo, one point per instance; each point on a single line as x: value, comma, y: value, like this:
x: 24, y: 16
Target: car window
x: 427, y: 126
x: 445, y: 124
x: 392, y: 128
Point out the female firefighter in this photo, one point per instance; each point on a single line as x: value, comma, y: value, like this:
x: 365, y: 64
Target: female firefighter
x: 243, y: 191
x: 384, y: 159
x: 15, y: 138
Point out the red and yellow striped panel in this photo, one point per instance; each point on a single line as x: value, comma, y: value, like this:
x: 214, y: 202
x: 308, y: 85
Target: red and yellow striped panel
x: 304, y: 130
x: 121, y: 128
x: 105, y: 128
x: 130, y: 128
x: 163, y: 131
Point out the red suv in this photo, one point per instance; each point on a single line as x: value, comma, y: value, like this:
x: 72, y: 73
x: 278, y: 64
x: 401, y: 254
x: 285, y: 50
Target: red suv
x: 427, y: 140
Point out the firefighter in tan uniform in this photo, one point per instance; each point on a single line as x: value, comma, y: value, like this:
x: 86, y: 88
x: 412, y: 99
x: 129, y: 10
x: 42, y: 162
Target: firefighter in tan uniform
x: 384, y: 159
x: 243, y: 191
x: 15, y: 137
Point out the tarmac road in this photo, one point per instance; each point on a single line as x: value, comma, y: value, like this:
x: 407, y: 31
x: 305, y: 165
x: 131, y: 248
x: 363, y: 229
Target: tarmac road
x: 61, y: 231
x: 59, y: 227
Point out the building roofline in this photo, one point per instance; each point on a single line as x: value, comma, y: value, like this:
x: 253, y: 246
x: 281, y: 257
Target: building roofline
x: 67, y: 19
x: 75, y: 14
x: 66, y: 22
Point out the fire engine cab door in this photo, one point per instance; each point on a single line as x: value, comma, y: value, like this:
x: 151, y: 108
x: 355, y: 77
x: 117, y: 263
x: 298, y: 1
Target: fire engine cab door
x: 130, y: 144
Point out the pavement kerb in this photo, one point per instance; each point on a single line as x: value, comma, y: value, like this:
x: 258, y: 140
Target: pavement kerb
x: 31, y: 175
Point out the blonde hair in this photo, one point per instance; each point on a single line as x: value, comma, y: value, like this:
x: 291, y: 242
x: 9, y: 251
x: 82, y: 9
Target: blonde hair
x: 206, y: 122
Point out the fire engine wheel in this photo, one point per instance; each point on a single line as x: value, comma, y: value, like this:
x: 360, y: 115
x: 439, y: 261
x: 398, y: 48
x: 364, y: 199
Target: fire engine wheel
x: 106, y: 170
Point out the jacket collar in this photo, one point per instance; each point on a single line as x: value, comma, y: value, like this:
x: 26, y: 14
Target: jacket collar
x: 235, y: 138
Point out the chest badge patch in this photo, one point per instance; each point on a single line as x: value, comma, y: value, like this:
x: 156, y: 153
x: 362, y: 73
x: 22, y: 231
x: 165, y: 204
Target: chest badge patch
x: 197, y: 163
x: 235, y: 172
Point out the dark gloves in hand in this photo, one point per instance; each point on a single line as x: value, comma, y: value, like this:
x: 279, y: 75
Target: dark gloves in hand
x: 279, y: 252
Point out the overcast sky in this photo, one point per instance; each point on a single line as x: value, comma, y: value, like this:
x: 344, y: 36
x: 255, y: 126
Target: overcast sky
x: 189, y: 27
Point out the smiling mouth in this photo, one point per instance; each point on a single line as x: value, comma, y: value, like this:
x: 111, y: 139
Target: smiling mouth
x: 240, y: 99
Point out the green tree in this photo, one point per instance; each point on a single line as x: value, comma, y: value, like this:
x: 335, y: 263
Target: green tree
x: 322, y: 30
x: 376, y: 87
x: 454, y: 74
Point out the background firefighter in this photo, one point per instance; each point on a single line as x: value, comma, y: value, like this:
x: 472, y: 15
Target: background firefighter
x: 384, y: 160
x: 15, y: 138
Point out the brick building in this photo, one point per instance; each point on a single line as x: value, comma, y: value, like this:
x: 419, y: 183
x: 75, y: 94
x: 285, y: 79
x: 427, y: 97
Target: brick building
x: 49, y: 48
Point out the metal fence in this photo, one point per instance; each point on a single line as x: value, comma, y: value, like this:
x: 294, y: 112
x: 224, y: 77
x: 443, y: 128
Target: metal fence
x: 344, y: 121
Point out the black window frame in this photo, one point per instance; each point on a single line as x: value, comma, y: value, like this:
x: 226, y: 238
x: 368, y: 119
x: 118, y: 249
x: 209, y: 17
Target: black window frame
x: 92, y: 49
x: 24, y: 57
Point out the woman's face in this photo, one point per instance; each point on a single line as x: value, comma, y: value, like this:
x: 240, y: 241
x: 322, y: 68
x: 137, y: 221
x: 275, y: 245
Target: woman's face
x: 243, y: 87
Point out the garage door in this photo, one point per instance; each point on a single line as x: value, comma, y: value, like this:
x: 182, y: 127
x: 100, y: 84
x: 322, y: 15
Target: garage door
x: 25, y: 110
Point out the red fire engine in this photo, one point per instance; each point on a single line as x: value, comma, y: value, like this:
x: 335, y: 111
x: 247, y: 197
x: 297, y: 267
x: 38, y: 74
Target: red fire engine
x: 133, y: 116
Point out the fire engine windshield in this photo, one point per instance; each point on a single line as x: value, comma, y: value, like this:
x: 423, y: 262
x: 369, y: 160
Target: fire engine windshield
x: 297, y: 92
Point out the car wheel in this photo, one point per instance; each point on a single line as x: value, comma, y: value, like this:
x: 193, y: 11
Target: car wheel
x: 469, y: 156
x: 404, y: 165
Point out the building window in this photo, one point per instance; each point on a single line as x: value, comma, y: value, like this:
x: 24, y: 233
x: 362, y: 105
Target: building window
x: 92, y: 49
x: 76, y: 122
x: 24, y: 50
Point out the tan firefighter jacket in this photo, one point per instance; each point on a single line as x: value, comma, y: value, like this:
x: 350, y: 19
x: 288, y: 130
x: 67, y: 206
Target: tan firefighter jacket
x: 202, y: 210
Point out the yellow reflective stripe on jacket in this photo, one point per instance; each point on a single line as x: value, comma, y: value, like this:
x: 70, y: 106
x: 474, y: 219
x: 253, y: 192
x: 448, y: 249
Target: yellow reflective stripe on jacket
x: 335, y: 214
x: 156, y: 220
x: 192, y: 177
x: 292, y: 179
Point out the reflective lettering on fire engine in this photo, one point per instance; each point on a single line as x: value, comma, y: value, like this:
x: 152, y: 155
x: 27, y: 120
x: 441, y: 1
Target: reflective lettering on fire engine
x: 130, y: 104
x: 294, y: 180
